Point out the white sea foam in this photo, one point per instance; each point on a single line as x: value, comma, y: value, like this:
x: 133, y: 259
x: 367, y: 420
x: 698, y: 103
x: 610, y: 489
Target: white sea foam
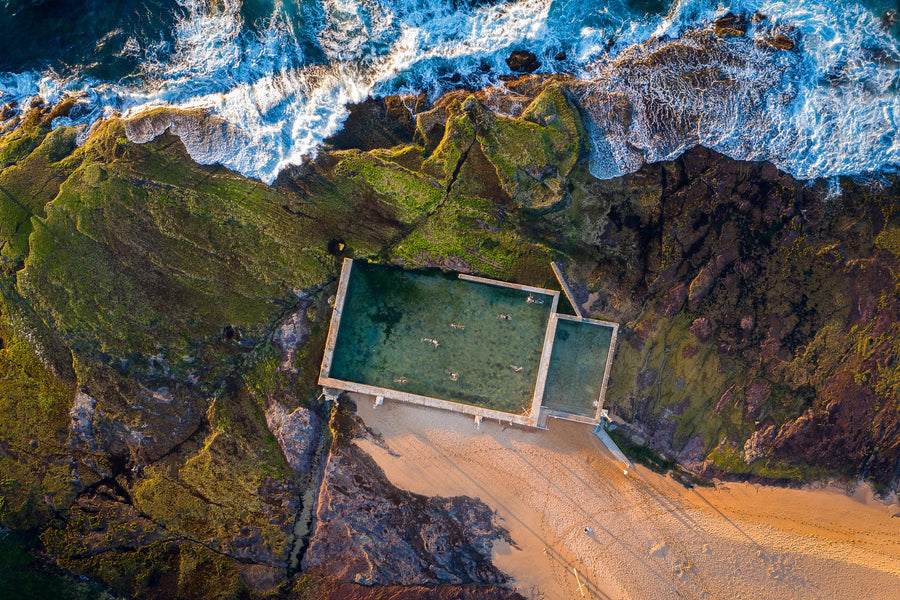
x: 830, y: 109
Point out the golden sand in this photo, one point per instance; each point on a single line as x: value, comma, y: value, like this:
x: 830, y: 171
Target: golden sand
x: 648, y: 537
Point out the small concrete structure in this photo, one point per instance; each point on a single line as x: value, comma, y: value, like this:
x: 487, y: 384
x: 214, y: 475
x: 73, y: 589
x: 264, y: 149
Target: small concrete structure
x: 613, y: 448
x: 535, y: 416
x: 566, y: 289
x: 514, y: 286
x: 594, y: 416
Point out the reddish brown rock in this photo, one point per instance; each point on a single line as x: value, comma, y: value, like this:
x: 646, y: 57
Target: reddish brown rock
x: 754, y: 396
x: 724, y: 400
x: 730, y: 25
x: 368, y: 531
x: 709, y: 274
x: 323, y: 588
x: 701, y: 329
x: 836, y: 431
x: 780, y: 38
x: 689, y: 351
x: 675, y: 300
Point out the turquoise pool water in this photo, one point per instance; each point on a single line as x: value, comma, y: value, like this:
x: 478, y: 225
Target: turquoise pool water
x: 437, y: 336
x: 577, y: 365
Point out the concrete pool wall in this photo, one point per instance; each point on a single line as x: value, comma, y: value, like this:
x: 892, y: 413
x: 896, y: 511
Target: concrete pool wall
x: 583, y: 398
x: 532, y: 414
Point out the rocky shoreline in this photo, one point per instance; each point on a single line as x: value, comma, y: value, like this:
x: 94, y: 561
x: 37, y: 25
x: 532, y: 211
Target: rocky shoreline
x: 163, y: 323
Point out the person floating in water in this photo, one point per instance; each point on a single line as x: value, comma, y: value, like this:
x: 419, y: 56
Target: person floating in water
x: 504, y: 316
x: 453, y: 375
x: 431, y: 341
x: 515, y: 368
x: 401, y: 380
x: 532, y: 300
x: 457, y: 326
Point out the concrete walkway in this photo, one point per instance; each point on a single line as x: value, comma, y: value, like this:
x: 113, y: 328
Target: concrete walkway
x: 566, y: 289
x: 600, y: 432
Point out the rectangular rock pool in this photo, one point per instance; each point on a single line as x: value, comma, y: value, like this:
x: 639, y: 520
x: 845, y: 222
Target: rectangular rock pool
x: 578, y: 367
x: 458, y: 342
x: 441, y: 336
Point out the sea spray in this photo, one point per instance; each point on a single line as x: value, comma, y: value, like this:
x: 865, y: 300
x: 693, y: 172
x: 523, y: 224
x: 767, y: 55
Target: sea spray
x: 276, y: 85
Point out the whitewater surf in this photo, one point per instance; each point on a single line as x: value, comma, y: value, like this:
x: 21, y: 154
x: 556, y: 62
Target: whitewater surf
x: 811, y: 86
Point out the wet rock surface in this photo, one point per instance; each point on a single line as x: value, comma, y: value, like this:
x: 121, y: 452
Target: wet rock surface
x: 523, y: 61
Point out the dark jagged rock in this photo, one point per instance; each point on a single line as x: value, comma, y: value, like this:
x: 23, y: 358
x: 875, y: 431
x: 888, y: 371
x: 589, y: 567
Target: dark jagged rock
x: 120, y: 417
x: 782, y: 37
x: 730, y: 25
x: 315, y: 587
x: 523, y: 61
x: 368, y: 531
x: 781, y: 284
x: 777, y: 42
x: 318, y: 588
x: 379, y: 123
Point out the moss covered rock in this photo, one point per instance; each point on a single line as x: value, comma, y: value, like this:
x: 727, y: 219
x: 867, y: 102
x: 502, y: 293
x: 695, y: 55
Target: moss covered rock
x: 162, y: 324
x: 756, y: 314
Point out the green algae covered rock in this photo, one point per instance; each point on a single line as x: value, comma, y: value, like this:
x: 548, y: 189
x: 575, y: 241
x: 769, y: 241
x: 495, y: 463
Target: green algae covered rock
x: 35, y: 476
x: 136, y: 252
x: 411, y: 193
x: 162, y: 322
x: 534, y: 154
x: 452, y: 150
x: 162, y: 326
x: 138, y: 283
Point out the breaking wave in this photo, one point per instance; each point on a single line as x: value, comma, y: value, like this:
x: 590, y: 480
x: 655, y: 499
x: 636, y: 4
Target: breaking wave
x: 655, y: 80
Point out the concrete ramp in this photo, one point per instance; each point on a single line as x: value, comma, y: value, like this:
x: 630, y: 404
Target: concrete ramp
x: 600, y: 432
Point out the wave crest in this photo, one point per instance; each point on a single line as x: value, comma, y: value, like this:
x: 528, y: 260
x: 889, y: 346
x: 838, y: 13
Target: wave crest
x: 810, y: 87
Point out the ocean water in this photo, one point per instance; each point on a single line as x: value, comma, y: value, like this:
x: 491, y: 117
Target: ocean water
x: 280, y: 73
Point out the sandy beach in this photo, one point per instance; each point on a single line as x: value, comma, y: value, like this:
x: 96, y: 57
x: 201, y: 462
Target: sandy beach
x: 647, y: 536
